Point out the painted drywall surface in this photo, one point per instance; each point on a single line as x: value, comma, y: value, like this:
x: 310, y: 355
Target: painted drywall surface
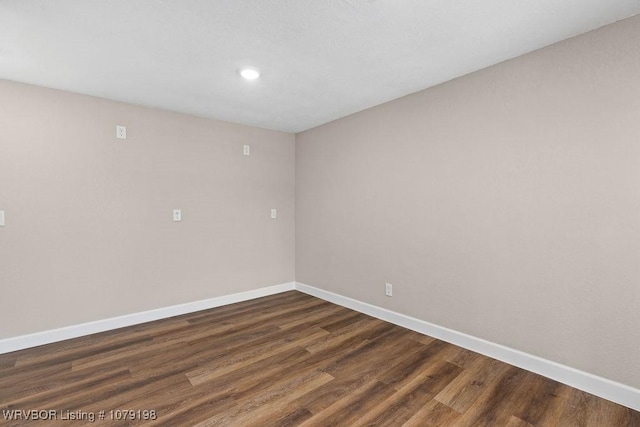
x: 504, y: 204
x: 89, y: 232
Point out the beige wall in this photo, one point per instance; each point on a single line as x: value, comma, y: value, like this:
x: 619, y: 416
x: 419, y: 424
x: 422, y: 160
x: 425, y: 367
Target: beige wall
x: 504, y: 204
x: 89, y: 232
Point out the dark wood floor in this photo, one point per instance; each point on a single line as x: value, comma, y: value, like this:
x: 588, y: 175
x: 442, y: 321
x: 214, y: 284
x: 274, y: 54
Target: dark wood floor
x: 287, y: 359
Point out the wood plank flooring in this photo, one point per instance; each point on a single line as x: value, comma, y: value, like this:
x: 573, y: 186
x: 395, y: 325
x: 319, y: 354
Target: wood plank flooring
x: 284, y: 360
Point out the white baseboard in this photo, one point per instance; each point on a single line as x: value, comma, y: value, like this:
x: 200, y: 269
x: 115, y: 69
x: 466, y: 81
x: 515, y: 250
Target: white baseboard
x: 599, y: 386
x: 54, y: 335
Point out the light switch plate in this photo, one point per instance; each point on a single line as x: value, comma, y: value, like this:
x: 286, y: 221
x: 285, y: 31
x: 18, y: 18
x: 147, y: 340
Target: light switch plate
x: 177, y: 215
x: 246, y: 150
x: 1, y: 218
x: 274, y: 213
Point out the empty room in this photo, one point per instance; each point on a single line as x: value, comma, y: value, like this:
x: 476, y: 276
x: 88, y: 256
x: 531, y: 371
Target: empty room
x: 320, y: 213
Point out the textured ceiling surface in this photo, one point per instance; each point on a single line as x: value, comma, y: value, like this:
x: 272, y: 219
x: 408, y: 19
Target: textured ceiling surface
x: 320, y: 59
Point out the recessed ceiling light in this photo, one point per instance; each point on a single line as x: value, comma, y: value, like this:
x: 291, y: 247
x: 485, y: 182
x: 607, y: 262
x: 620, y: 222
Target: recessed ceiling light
x: 249, y: 73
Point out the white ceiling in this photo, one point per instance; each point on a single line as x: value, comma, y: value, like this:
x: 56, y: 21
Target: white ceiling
x: 320, y: 59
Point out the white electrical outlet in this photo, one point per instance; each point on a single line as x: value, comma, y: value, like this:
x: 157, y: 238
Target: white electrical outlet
x: 177, y: 215
x: 1, y: 218
x: 388, y: 289
x: 121, y: 132
x: 246, y: 150
x: 274, y: 213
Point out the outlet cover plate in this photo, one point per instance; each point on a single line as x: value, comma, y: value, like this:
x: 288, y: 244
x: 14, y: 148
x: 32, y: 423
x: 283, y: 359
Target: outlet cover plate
x: 121, y: 132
